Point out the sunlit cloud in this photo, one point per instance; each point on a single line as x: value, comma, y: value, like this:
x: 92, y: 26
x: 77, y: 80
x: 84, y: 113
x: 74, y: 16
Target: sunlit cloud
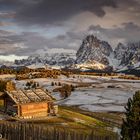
x: 11, y: 58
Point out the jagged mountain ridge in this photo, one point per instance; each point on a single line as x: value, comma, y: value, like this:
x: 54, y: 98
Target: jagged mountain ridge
x: 94, y: 49
x: 91, y: 50
x: 123, y: 56
x: 132, y: 54
x: 128, y: 55
x: 58, y: 59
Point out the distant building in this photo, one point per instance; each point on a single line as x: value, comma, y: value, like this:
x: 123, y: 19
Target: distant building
x: 28, y: 103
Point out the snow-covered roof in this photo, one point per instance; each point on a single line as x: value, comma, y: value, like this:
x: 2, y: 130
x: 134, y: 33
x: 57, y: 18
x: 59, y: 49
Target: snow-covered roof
x: 29, y: 96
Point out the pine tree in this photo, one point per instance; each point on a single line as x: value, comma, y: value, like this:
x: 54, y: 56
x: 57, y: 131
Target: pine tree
x: 131, y: 124
x: 59, y: 84
x: 52, y: 84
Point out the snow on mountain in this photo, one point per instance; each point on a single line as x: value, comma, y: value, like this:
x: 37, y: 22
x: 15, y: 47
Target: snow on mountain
x: 137, y: 65
x: 52, y: 58
x: 92, y: 54
x: 36, y: 66
x: 93, y: 49
x: 119, y: 51
x: 122, y: 57
x: 90, y: 65
x: 129, y: 56
x: 132, y: 54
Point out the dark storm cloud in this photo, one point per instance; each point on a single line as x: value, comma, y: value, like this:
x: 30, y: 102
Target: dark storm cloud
x: 7, y: 37
x: 51, y: 11
x: 10, y: 42
x: 5, y: 23
x: 5, y: 33
x: 4, y: 3
x: 76, y: 35
x: 55, y: 11
x: 24, y: 43
x: 35, y: 42
x: 7, y: 15
x: 128, y: 31
x: 28, y: 43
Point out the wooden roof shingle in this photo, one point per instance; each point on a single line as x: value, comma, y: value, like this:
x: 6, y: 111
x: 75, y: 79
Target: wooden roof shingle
x: 28, y: 96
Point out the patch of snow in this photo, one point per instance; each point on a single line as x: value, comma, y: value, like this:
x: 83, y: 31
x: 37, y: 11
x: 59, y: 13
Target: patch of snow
x: 79, y: 120
x: 91, y: 65
x: 99, y: 99
x: 96, y: 108
x: 113, y: 61
x: 137, y: 64
x: 36, y: 66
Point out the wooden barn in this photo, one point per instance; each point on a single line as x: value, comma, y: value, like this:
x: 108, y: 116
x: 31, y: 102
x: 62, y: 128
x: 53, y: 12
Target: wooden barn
x: 28, y: 103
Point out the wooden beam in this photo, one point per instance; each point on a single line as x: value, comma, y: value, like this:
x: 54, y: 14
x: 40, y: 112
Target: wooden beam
x: 10, y: 94
x: 26, y: 95
x: 19, y: 110
x: 37, y: 95
x: 46, y: 93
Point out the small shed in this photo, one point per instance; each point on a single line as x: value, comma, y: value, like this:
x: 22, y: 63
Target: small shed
x: 28, y: 103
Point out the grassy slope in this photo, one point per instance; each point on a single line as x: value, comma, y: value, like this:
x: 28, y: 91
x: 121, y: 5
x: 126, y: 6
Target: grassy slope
x: 76, y: 121
x: 112, y: 119
x: 69, y: 120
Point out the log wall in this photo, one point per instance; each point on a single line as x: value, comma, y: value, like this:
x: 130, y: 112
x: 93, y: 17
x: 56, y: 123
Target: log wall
x: 34, y: 110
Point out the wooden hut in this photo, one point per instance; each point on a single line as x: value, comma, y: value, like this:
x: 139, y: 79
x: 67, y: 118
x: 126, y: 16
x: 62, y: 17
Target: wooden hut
x: 28, y: 103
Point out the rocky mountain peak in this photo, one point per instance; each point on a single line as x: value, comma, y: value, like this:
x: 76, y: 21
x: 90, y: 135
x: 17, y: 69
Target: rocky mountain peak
x: 119, y: 51
x: 91, y: 41
x: 58, y: 59
x: 131, y: 55
x: 93, y: 49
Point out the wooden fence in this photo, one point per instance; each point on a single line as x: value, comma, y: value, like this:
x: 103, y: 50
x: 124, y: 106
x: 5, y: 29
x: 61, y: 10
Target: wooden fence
x: 26, y: 131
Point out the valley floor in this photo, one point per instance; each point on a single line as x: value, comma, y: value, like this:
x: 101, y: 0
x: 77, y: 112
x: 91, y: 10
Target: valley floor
x: 92, y: 93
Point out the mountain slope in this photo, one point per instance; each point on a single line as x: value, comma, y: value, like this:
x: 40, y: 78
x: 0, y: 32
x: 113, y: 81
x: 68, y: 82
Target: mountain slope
x: 122, y: 57
x: 128, y: 56
x: 131, y: 55
x: 58, y: 59
x: 92, y: 49
x: 90, y: 65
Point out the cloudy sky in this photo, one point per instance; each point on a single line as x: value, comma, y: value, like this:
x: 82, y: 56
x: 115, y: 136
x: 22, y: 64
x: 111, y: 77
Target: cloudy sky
x: 32, y: 26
